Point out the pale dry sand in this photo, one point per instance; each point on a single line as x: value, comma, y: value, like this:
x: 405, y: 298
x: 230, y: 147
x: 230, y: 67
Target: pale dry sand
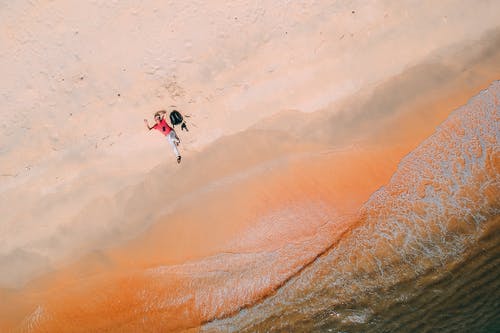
x: 78, y: 170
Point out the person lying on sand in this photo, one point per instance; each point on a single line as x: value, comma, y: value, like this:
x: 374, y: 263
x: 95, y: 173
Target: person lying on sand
x: 162, y: 126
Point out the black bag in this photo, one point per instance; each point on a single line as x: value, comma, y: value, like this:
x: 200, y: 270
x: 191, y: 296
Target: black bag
x: 175, y: 117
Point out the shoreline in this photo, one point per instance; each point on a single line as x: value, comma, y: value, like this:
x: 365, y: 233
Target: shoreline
x: 111, y: 257
x: 274, y: 140
x: 166, y: 282
x: 87, y: 197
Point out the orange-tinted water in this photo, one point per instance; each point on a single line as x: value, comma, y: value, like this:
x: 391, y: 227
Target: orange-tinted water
x: 425, y: 254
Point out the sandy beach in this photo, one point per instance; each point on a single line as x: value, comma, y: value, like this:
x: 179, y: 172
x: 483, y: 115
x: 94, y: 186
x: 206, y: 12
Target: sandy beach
x: 297, y: 114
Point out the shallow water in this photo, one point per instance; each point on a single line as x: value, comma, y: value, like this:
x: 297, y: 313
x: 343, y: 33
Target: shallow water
x: 425, y: 254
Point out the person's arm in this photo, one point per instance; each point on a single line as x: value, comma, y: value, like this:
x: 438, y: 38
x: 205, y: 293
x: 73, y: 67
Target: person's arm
x: 147, y: 125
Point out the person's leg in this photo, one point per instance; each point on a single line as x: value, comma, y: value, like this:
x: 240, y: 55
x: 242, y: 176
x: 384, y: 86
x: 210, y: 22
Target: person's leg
x: 171, y: 137
x: 176, y: 138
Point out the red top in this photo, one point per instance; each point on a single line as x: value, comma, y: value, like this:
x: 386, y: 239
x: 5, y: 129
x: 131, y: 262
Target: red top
x: 163, y: 127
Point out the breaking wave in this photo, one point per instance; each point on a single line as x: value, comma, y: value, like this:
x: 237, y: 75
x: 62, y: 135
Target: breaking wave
x: 425, y: 252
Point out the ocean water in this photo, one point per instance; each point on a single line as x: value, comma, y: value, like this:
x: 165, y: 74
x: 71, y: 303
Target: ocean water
x: 423, y: 255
